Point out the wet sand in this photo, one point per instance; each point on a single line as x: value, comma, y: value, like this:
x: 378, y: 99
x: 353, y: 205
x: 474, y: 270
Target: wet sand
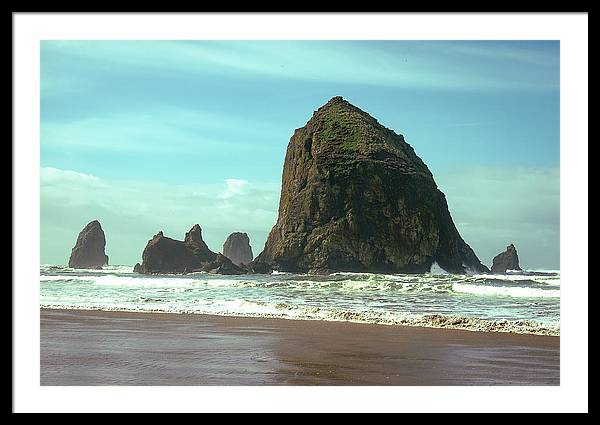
x: 121, y: 348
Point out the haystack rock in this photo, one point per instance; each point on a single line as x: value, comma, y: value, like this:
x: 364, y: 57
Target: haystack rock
x: 356, y: 197
x: 237, y: 248
x: 88, y: 252
x: 507, y: 260
x: 166, y: 255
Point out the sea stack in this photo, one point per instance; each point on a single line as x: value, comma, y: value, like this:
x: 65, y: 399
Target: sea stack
x: 507, y: 260
x: 166, y: 255
x: 88, y: 252
x: 237, y: 248
x: 356, y: 197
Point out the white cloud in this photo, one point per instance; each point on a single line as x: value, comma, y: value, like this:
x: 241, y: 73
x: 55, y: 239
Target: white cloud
x: 50, y: 176
x: 495, y: 206
x: 492, y: 207
x: 132, y: 211
x: 234, y: 187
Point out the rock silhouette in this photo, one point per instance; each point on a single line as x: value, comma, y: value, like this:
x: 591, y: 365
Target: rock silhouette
x: 237, y: 248
x: 356, y: 197
x: 223, y: 265
x: 166, y: 255
x: 88, y: 252
x: 507, y: 260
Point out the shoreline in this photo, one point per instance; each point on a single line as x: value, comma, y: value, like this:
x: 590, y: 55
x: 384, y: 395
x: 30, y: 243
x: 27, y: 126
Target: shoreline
x: 96, y: 347
x: 241, y: 316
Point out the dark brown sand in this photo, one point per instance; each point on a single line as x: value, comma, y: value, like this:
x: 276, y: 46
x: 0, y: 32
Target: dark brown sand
x: 118, y: 348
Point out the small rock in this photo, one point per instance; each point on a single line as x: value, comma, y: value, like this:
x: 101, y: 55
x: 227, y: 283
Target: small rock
x: 237, y: 248
x: 507, y: 260
x: 88, y: 252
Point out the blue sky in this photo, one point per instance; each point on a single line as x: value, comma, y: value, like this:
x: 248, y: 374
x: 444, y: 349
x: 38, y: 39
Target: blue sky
x: 159, y: 135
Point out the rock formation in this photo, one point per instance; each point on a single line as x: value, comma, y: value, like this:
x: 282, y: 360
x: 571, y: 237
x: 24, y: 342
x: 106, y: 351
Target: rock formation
x: 166, y: 255
x: 88, y: 252
x: 223, y: 265
x: 507, y: 260
x: 259, y: 266
x: 356, y: 197
x: 237, y: 248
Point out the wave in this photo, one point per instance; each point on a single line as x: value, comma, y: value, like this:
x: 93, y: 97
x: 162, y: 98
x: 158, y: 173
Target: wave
x: 476, y: 302
x: 437, y: 270
x: 539, y: 272
x: 122, y: 281
x: 506, y: 291
x: 550, y: 279
x: 479, y: 285
x: 52, y: 268
x: 246, y: 308
x: 438, y: 273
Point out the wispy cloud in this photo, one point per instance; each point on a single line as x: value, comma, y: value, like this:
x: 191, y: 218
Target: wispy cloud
x: 492, y: 207
x: 495, y: 206
x: 132, y: 211
x: 222, y: 112
x: 513, y: 52
x: 157, y: 130
x: 404, y: 64
x: 474, y: 124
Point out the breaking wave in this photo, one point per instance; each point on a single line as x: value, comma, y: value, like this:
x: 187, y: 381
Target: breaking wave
x: 516, y: 302
x: 481, y: 285
x: 506, y: 291
x: 244, y: 308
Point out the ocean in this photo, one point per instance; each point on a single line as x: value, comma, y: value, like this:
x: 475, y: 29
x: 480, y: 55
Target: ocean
x: 519, y: 302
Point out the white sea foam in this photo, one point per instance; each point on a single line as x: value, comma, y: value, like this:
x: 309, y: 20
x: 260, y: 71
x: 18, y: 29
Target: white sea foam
x: 104, y: 269
x: 359, y: 282
x: 245, y: 308
x: 551, y: 280
x: 506, y: 291
x: 351, y: 274
x: 504, y: 303
x: 552, y: 271
x: 437, y: 270
x: 67, y: 278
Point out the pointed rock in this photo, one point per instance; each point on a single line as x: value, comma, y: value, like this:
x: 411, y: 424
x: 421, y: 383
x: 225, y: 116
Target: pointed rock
x: 356, y: 197
x: 194, y: 235
x: 237, y: 248
x: 507, y: 260
x: 88, y: 252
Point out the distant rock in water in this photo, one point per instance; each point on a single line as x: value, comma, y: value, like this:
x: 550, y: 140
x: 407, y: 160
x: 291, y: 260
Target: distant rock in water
x: 166, y: 255
x: 356, y: 197
x: 88, y: 252
x: 237, y: 248
x: 507, y: 260
x: 223, y: 265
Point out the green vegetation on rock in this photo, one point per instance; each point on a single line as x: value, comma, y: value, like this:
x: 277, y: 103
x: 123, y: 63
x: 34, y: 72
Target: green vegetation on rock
x: 356, y: 197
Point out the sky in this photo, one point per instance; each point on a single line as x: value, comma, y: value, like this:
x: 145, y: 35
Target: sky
x: 160, y: 135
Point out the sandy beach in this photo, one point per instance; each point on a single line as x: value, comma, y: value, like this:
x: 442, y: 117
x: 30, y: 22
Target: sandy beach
x: 80, y: 347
